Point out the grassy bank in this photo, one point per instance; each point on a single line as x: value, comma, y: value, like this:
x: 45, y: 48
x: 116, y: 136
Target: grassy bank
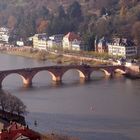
x: 43, y: 55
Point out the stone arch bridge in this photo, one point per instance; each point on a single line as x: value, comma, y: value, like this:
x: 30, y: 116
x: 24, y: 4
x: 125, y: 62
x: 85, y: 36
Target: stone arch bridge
x: 57, y: 72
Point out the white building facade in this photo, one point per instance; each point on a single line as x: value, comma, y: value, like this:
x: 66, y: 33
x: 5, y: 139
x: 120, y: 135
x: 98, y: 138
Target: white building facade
x: 122, y: 49
x: 55, y: 41
x: 4, y: 34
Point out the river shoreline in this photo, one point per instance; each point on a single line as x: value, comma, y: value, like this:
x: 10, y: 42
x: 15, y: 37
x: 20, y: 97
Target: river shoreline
x: 43, y: 55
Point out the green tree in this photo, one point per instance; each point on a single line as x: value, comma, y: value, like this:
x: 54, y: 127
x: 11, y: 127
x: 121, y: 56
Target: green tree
x: 88, y: 40
x: 103, y: 27
x: 43, y: 12
x: 74, y: 10
x: 61, y: 12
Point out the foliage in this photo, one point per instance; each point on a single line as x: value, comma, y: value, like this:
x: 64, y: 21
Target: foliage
x: 88, y: 17
x: 74, y: 10
x: 43, y: 24
x: 41, y: 55
x: 136, y: 32
x: 61, y: 12
x: 88, y: 40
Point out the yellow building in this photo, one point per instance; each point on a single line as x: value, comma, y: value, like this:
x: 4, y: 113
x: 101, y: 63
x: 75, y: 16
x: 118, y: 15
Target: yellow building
x: 40, y: 41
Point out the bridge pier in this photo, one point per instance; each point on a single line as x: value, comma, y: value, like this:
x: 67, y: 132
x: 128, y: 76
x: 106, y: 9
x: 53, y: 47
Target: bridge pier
x: 85, y: 77
x: 27, y: 82
x: 57, y: 79
x: 112, y: 75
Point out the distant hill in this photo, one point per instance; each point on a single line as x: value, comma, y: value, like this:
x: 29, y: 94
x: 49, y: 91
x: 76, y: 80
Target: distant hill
x: 87, y: 5
x: 88, y: 17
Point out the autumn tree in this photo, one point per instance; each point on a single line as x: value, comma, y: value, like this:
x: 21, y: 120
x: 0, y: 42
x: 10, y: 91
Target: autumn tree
x: 123, y: 11
x: 42, y: 27
x: 123, y: 8
x: 11, y: 22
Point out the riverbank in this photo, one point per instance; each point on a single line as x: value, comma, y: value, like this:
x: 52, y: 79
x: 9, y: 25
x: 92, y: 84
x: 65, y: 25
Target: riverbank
x: 53, y: 56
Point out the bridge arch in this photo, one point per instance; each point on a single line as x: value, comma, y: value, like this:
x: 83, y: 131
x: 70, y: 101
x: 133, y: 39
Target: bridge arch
x: 98, y: 74
x: 82, y: 75
x: 106, y: 72
x: 54, y: 76
x: 121, y: 71
x: 24, y: 79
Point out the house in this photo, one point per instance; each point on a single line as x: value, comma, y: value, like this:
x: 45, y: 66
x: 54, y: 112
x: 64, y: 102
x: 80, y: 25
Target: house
x: 4, y: 34
x: 40, y: 41
x: 72, y: 41
x: 122, y: 47
x: 101, y: 45
x: 20, y: 43
x: 17, y: 131
x: 55, y: 41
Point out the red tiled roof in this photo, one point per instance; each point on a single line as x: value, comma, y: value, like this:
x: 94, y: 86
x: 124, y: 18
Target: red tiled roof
x: 15, y: 126
x: 72, y: 36
x: 16, y: 130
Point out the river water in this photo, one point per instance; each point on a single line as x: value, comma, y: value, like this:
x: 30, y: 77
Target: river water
x: 102, y: 109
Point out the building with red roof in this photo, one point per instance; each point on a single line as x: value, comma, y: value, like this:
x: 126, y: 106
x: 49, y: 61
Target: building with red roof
x: 17, y: 131
x: 72, y: 41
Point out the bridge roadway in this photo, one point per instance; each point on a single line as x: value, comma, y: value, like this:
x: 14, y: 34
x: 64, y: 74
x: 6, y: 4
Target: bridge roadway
x: 57, y: 72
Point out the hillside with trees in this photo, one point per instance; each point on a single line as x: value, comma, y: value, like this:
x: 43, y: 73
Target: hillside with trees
x: 88, y: 17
